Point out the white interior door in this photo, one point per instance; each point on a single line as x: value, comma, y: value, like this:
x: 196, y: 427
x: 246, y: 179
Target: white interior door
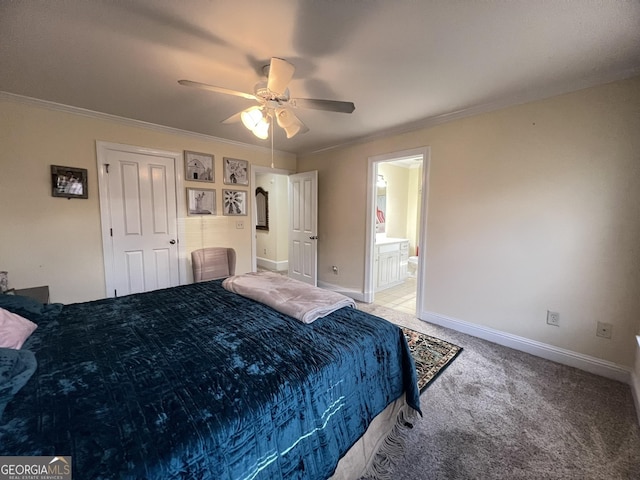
x: 140, y: 212
x: 303, y: 227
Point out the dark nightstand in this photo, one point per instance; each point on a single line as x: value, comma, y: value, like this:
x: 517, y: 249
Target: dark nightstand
x: 40, y: 294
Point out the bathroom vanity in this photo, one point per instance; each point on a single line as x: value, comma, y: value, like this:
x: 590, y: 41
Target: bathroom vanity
x: 391, y: 259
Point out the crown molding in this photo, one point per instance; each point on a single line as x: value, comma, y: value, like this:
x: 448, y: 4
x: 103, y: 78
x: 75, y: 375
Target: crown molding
x: 520, y: 98
x: 59, y: 107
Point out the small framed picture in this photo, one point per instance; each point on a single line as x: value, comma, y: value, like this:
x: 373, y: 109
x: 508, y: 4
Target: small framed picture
x: 236, y: 172
x: 69, y: 182
x: 199, y: 167
x: 234, y: 202
x: 201, y: 201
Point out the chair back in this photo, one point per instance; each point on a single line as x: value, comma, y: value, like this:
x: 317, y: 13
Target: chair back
x: 212, y: 263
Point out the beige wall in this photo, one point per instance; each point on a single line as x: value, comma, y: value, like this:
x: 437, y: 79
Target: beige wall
x: 397, y: 179
x: 57, y: 242
x: 403, y: 202
x: 530, y: 208
x: 414, y: 209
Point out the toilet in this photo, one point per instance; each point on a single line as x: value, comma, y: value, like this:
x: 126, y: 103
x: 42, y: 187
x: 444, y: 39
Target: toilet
x: 412, y: 265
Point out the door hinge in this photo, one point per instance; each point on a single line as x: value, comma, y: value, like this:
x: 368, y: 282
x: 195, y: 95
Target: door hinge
x: 111, y: 232
x: 115, y: 292
x: 106, y: 167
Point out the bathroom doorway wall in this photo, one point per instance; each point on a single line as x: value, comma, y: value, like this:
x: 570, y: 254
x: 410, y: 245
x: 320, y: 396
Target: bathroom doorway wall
x: 396, y: 226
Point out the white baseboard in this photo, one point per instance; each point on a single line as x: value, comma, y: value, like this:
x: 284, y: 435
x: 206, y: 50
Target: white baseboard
x: 635, y: 391
x: 355, y: 294
x: 280, y: 266
x: 570, y: 358
x: 635, y: 379
x: 556, y: 354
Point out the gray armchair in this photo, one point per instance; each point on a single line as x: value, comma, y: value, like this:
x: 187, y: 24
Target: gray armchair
x: 212, y: 263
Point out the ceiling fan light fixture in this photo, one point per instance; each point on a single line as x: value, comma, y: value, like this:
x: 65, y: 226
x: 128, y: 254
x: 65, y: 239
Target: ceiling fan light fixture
x: 257, y: 121
x: 284, y: 118
x: 288, y: 121
x: 251, y: 117
x: 291, y: 130
x: 262, y: 129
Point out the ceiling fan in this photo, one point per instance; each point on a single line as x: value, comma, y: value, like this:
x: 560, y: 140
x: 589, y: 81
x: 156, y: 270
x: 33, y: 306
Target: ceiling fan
x: 274, y: 102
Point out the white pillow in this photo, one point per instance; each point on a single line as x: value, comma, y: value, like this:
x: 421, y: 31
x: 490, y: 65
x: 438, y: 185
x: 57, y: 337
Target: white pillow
x: 14, y: 329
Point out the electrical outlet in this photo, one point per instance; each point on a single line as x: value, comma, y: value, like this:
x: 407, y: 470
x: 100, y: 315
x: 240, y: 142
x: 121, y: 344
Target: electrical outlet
x: 239, y: 224
x: 604, y: 330
x: 553, y: 318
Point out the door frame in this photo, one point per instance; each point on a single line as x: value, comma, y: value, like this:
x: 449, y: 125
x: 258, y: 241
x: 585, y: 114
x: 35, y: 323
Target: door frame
x: 105, y: 213
x: 260, y: 169
x: 369, y: 280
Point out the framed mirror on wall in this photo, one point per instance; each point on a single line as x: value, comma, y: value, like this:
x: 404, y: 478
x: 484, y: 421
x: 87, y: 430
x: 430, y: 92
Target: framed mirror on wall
x: 262, y: 209
x: 381, y: 205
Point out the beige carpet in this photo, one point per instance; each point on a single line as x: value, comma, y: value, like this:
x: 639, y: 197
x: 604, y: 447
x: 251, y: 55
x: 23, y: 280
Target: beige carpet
x: 496, y: 413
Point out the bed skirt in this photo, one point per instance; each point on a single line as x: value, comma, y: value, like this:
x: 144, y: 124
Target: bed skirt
x: 382, y: 443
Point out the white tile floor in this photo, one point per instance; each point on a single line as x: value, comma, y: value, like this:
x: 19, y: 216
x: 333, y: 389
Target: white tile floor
x: 401, y: 297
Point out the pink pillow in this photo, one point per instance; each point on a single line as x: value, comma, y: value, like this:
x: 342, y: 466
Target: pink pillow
x: 14, y: 329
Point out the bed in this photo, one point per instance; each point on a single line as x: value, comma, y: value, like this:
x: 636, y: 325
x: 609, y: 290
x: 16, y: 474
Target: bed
x: 198, y: 382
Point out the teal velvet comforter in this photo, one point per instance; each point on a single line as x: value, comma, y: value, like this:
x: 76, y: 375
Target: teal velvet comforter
x: 195, y: 382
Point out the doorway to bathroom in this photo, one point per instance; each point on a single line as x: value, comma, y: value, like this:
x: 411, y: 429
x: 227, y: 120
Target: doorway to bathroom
x: 396, y: 226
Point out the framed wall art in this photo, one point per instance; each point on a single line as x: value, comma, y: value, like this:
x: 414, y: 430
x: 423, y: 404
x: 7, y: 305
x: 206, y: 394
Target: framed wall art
x: 201, y: 201
x: 69, y: 182
x: 262, y: 209
x: 236, y: 172
x: 234, y: 202
x: 199, y: 167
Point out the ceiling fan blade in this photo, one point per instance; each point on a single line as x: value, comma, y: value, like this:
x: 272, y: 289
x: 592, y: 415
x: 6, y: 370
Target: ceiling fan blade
x: 233, y: 118
x: 303, y: 128
x: 327, y: 105
x: 280, y: 74
x: 211, y: 88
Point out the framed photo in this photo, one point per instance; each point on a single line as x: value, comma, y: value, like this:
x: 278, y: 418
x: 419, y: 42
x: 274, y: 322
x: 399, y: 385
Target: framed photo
x: 201, y: 201
x: 236, y: 172
x: 234, y: 202
x: 69, y: 182
x: 199, y: 167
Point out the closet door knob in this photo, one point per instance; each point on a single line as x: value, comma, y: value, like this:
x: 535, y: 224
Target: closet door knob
x: 172, y: 242
x: 313, y: 237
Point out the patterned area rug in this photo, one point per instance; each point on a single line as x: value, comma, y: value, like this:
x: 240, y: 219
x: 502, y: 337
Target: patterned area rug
x: 430, y: 354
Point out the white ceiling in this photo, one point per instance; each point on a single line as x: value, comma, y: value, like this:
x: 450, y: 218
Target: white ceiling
x: 404, y: 63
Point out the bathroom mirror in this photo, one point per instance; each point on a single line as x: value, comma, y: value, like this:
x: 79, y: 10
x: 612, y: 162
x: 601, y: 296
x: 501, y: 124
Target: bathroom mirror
x: 262, y: 209
x: 381, y: 204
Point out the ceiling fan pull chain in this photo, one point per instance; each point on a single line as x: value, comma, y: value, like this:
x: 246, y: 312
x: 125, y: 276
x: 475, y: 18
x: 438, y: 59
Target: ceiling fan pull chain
x: 272, y: 143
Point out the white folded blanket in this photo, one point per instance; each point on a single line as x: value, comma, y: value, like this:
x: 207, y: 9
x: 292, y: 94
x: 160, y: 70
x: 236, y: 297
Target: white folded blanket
x: 292, y: 297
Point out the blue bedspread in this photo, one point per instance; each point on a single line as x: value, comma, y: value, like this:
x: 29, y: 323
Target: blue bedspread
x: 195, y: 382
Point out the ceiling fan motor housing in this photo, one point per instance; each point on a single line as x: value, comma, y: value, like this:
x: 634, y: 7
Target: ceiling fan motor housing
x: 262, y: 92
